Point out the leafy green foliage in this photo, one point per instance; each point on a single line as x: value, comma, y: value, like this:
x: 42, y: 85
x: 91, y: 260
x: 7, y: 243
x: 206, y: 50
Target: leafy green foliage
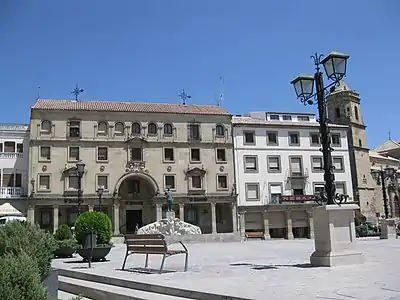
x: 63, y: 233
x: 96, y: 221
x: 24, y: 238
x: 20, y: 278
x: 71, y: 243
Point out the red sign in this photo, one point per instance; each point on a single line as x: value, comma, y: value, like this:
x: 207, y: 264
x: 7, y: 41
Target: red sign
x: 298, y: 198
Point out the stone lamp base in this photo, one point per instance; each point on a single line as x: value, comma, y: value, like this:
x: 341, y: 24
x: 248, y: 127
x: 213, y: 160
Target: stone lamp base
x: 334, y: 235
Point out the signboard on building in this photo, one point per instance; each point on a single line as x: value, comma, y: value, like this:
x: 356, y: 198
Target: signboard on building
x: 297, y: 198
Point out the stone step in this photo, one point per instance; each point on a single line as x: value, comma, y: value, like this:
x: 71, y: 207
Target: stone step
x: 68, y: 296
x: 99, y: 291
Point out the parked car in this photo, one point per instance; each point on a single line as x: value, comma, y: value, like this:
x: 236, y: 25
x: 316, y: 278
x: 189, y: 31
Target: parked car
x: 368, y: 229
x: 6, y: 219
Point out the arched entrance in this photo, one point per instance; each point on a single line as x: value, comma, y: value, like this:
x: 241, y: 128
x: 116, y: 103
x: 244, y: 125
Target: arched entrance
x: 135, y: 190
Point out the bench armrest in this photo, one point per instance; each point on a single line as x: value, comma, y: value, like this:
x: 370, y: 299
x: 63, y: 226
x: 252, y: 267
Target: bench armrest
x: 183, y: 246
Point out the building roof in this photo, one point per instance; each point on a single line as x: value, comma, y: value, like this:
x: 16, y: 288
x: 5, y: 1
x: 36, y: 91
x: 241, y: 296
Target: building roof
x: 110, y: 106
x: 13, y: 127
x: 387, y: 146
x: 374, y: 154
x: 256, y: 122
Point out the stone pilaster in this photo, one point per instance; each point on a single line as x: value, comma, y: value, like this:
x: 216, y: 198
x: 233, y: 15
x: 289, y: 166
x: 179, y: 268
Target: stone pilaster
x: 213, y: 218
x: 159, y: 211
x: 30, y: 216
x: 289, y: 227
x: 182, y: 211
x: 116, y: 218
x: 266, y: 226
x: 242, y: 225
x: 234, y: 218
x: 55, y: 217
x: 310, y: 224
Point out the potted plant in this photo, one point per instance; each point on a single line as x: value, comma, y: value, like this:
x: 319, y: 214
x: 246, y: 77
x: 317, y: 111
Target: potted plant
x: 66, y: 243
x: 99, y: 223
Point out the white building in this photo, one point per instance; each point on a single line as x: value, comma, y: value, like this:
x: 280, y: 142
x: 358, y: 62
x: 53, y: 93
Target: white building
x: 278, y: 169
x: 14, y: 162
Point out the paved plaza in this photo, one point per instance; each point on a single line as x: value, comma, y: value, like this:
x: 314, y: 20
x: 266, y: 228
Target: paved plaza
x: 276, y: 269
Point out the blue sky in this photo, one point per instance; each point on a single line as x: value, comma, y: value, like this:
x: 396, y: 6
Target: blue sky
x: 149, y: 50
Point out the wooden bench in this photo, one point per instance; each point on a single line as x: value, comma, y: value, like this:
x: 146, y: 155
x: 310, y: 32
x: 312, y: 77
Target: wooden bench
x: 151, y: 244
x: 255, y: 234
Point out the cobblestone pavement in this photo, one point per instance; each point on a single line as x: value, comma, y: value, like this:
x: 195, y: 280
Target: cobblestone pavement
x: 276, y: 269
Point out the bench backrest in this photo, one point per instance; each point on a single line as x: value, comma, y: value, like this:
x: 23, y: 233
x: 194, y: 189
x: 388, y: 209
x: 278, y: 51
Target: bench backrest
x: 143, y: 243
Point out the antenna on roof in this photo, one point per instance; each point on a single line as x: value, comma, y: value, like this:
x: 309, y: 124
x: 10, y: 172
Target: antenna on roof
x: 221, y: 91
x: 390, y: 136
x: 76, y: 92
x: 38, y: 93
x: 184, y: 96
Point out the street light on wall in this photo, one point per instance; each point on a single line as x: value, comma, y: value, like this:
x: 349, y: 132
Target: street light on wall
x: 80, y: 169
x: 335, y: 65
x: 100, y: 191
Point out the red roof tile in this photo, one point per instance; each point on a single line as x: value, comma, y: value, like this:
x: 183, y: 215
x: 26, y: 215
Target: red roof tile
x: 109, y: 106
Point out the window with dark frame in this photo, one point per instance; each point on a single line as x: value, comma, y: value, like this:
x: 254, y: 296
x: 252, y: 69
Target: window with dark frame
x: 303, y: 118
x: 73, y: 153
x: 102, y: 153
x: 45, y: 153
x: 73, y: 182
x: 250, y: 164
x: 249, y: 137
x: 152, y: 128
x: 74, y: 128
x: 136, y: 154
x: 102, y: 128
x: 196, y: 182
x: 168, y: 154
x: 18, y: 180
x: 222, y: 182
x: 294, y: 138
x: 20, y: 148
x: 274, y: 163
x: 44, y: 182
x: 272, y: 138
x: 287, y: 118
x: 9, y: 147
x: 136, y: 129
x: 335, y: 139
x: 221, y: 155
x: 274, y: 117
x: 315, y: 139
x: 220, y: 131
x: 1, y: 147
x: 102, y: 180
x: 8, y: 179
x: 195, y: 154
x: 45, y: 127
x: 119, y: 129
x: 170, y: 181
x: 317, y: 164
x: 167, y: 129
x: 338, y: 163
x: 194, y: 132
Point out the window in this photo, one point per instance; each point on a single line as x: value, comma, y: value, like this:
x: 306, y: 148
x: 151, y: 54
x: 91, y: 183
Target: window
x: 168, y: 154
x: 195, y: 155
x: 102, y: 153
x: 294, y: 139
x: 119, y: 129
x: 315, y: 141
x: 73, y: 153
x: 44, y: 153
x: 169, y: 182
x: 74, y: 128
x: 18, y: 180
x: 295, y: 166
x: 287, y: 118
x: 252, y: 191
x: 359, y: 143
x: 337, y: 111
x: 1, y: 147
x: 303, y: 118
x: 8, y: 179
x: 44, y: 182
x: 317, y: 164
x: 319, y: 188
x: 222, y: 182
x: 340, y: 188
x: 272, y: 138
x: 20, y: 148
x: 102, y: 129
x: 136, y: 129
x: 136, y: 154
x: 152, y: 128
x: 102, y: 180
x: 73, y: 182
x: 196, y: 182
x: 221, y: 156
x: 45, y: 127
x: 275, y: 193
x: 335, y: 139
x: 194, y: 132
x: 356, y: 113
x: 250, y: 164
x: 9, y: 147
x: 219, y: 131
x: 274, y: 164
x: 167, y: 129
x: 274, y: 117
x: 249, y: 137
x: 338, y: 163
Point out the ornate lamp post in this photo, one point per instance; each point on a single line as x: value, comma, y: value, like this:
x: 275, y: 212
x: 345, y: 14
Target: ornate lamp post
x: 100, y: 191
x: 335, y: 65
x: 80, y: 169
x: 381, y: 175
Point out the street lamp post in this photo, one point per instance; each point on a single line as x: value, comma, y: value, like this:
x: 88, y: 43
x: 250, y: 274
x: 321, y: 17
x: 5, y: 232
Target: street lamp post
x: 382, y: 175
x: 335, y: 65
x: 80, y: 169
x: 100, y: 191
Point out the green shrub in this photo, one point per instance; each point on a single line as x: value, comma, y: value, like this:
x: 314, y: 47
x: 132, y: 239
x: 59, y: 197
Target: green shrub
x: 20, y: 278
x: 96, y: 221
x: 63, y: 233
x: 71, y: 243
x: 16, y: 237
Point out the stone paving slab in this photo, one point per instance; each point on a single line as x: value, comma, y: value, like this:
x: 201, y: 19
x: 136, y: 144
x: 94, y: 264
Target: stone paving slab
x: 265, y: 270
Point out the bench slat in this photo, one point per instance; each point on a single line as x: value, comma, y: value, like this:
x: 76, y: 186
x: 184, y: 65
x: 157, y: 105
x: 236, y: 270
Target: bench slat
x: 150, y: 250
x: 145, y: 242
x: 144, y: 236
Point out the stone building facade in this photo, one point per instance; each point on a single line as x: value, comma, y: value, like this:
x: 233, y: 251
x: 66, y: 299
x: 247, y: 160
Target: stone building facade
x: 279, y: 169
x: 14, y: 162
x: 134, y: 151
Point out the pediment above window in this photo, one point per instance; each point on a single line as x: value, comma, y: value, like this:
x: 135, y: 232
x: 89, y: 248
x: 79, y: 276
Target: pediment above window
x: 134, y: 138
x: 196, y: 171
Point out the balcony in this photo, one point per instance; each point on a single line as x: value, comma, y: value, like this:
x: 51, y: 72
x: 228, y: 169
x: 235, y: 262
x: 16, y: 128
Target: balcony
x: 10, y: 155
x: 295, y: 174
x: 11, y: 192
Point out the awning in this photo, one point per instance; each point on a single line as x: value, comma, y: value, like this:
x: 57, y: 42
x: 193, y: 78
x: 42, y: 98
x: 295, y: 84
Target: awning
x: 8, y: 210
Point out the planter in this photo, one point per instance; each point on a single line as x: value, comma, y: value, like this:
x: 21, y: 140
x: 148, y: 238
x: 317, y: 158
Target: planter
x: 51, y: 283
x: 99, y: 253
x: 65, y: 252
